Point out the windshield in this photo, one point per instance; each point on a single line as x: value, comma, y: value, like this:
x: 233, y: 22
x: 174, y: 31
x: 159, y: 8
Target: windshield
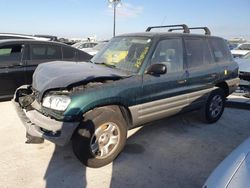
x: 244, y: 47
x: 247, y: 56
x: 77, y: 44
x: 124, y: 53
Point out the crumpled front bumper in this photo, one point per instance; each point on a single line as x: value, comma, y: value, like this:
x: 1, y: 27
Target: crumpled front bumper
x: 40, y: 126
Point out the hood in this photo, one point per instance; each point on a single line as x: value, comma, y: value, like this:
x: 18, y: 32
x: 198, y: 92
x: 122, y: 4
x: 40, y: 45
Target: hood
x: 239, y: 52
x: 61, y: 74
x: 244, y: 64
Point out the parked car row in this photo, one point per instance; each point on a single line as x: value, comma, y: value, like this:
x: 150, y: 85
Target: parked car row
x: 90, y: 47
x: 20, y: 57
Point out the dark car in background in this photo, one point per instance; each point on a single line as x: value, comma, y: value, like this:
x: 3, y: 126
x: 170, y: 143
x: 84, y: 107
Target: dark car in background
x: 20, y: 57
x: 4, y: 36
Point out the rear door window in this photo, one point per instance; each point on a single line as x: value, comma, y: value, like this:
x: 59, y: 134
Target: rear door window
x: 10, y: 55
x: 45, y: 52
x: 198, y: 52
x: 220, y: 50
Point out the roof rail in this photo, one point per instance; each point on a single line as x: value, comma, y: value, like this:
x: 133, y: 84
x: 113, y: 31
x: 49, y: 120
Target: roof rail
x: 207, y: 31
x: 183, y: 27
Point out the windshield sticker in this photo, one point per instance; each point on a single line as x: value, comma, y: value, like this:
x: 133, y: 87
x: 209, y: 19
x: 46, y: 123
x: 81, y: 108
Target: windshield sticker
x: 141, y: 58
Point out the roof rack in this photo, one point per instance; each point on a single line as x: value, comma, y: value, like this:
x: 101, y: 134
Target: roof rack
x: 207, y: 31
x: 183, y: 27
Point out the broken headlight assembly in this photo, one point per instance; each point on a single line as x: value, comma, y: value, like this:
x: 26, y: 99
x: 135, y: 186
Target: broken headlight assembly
x: 56, y: 102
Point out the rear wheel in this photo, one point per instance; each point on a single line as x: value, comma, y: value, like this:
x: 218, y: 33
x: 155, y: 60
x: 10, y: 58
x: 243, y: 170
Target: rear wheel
x: 214, y: 106
x: 100, y: 137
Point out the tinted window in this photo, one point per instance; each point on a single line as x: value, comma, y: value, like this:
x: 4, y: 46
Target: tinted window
x: 170, y: 53
x: 198, y: 53
x: 41, y: 52
x: 69, y: 53
x: 220, y: 50
x: 84, y: 56
x: 10, y: 53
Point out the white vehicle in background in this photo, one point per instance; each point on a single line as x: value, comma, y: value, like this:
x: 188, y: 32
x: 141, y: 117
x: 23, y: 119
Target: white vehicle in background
x: 21, y: 36
x: 244, y: 67
x: 93, y: 51
x: 84, y: 45
x: 233, y: 171
x: 241, y: 50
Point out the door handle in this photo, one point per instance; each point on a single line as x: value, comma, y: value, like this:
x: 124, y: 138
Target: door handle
x: 213, y: 75
x: 182, y: 81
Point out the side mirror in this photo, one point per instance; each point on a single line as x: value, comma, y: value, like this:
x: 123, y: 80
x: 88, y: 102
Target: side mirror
x: 157, y: 69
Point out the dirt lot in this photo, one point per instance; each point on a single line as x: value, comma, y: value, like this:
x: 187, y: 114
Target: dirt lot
x: 177, y: 152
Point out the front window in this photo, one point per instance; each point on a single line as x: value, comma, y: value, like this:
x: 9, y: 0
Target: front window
x: 124, y: 53
x: 247, y: 56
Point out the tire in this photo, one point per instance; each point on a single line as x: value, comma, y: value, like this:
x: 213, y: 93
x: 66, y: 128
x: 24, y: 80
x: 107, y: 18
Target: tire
x: 214, y: 106
x: 100, y: 137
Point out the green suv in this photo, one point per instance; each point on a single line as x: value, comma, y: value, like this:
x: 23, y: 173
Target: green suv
x: 135, y: 79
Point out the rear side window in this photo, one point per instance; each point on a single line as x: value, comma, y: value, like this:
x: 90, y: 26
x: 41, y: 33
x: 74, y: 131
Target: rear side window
x: 198, y: 52
x: 10, y: 53
x: 220, y: 50
x: 69, y: 53
x: 42, y: 52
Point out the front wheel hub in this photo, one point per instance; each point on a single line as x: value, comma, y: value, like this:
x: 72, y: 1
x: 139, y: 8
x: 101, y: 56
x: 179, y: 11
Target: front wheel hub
x: 105, y: 140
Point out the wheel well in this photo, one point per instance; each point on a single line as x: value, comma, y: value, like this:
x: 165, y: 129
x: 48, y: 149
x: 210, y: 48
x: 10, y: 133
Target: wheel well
x: 127, y: 115
x: 224, y: 87
x: 125, y: 112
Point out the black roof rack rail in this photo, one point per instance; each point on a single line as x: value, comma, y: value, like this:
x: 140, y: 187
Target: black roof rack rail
x: 183, y: 27
x: 207, y: 31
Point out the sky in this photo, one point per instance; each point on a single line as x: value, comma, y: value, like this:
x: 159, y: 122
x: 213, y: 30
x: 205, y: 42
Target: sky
x: 83, y: 18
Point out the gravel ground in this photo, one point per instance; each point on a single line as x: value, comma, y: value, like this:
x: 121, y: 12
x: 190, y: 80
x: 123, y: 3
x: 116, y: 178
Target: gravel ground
x: 176, y: 152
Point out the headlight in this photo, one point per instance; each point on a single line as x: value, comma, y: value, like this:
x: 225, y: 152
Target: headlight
x: 56, y: 102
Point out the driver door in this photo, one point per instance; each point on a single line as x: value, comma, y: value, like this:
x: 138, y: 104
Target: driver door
x: 164, y: 95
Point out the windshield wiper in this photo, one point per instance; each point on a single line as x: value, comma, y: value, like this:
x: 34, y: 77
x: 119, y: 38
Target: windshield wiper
x: 108, y: 65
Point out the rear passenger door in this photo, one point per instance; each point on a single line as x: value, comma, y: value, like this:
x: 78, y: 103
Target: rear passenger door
x: 12, y: 70
x: 40, y: 53
x: 202, y: 70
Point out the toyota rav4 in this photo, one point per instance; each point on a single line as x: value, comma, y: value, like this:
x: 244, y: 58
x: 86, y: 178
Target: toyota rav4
x: 135, y: 79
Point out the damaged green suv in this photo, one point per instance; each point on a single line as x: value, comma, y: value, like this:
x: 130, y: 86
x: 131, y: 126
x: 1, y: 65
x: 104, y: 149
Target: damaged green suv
x: 135, y: 79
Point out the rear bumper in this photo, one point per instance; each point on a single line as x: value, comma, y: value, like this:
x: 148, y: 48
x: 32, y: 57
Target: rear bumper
x: 233, y: 84
x: 38, y: 125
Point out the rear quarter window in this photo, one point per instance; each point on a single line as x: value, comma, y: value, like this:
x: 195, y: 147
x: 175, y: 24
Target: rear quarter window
x: 43, y: 52
x: 220, y: 50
